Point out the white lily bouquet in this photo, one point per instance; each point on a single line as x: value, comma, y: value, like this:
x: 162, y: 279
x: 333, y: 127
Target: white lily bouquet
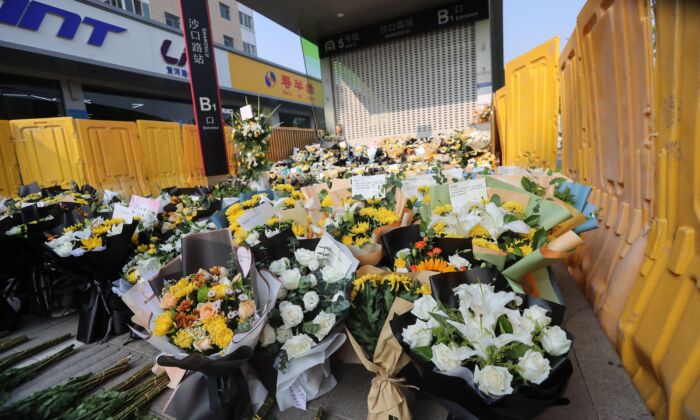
x: 502, y: 349
x: 312, y: 303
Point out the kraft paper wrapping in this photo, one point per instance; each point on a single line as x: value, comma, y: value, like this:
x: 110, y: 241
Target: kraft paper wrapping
x: 311, y: 194
x: 385, y: 396
x: 368, y: 254
x: 576, y: 220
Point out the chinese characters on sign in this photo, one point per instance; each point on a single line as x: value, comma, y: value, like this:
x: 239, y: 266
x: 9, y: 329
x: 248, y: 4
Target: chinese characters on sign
x: 204, y: 86
x: 427, y: 20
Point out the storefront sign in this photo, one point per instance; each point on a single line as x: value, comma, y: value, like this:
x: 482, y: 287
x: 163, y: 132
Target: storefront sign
x: 30, y: 15
x: 427, y: 20
x: 175, y: 65
x: 204, y: 86
x: 267, y: 80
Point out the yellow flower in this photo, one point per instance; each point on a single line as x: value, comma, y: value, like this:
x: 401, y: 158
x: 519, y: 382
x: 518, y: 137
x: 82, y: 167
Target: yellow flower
x: 219, y: 291
x: 135, y: 238
x: 163, y: 324
x: 91, y: 242
x: 361, y: 240
x: 368, y: 211
x: 151, y: 249
x: 100, y: 230
x: 348, y: 201
x: 424, y: 189
x: 183, y: 339
x: 347, y: 240
x: 400, y: 263
x: 384, y: 216
x: 142, y: 248
x: 425, y: 289
x: 239, y: 236
x: 531, y: 234
x: 114, y: 221
x: 327, y: 202
x: 272, y: 221
x: 513, y: 207
x: 479, y: 231
x: 526, y: 249
x: 373, y: 201
x: 219, y: 332
x: 442, y: 210
x: 439, y: 228
x: 298, y: 195
x: 485, y: 243
x: 289, y: 202
x: 360, y: 228
x: 132, y: 276
x: 426, y: 199
x: 434, y: 264
x: 283, y: 187
x: 181, y: 289
x: 298, y: 230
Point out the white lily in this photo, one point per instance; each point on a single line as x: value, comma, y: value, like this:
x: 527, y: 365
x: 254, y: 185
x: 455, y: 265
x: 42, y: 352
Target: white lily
x: 492, y: 221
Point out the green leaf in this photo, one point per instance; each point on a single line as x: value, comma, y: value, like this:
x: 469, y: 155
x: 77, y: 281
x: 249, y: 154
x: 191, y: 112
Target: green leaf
x: 310, y: 328
x: 504, y: 324
x: 425, y: 353
x: 539, y: 238
x: 516, y: 351
x: 202, y: 294
x: 532, y: 220
x: 496, y: 199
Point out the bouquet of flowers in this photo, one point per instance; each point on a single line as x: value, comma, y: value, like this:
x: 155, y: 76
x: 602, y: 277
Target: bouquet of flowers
x: 251, y: 137
x: 88, y: 236
x: 376, y: 297
x: 313, y: 301
x: 485, y: 352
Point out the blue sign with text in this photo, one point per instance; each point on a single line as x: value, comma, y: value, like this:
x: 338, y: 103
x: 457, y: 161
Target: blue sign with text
x: 29, y: 15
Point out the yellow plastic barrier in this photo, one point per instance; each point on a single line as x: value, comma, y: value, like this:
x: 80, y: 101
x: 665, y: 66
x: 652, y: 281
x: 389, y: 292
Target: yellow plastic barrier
x: 617, y: 112
x: 162, y: 153
x: 230, y: 150
x: 499, y: 106
x: 194, y: 166
x: 47, y: 151
x: 284, y: 139
x: 9, y: 175
x: 659, y: 341
x: 532, y: 80
x: 112, y: 155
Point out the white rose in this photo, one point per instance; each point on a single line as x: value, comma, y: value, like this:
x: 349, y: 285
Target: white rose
x: 493, y: 380
x: 538, y: 315
x: 278, y: 266
x: 63, y: 250
x: 307, y: 258
x: 297, y: 345
x: 311, y: 279
x: 534, y: 367
x: 292, y: 315
x: 403, y: 253
x: 422, y: 307
x: 554, y: 341
x: 253, y: 238
x: 203, y: 344
x: 311, y: 300
x: 332, y: 274
x: 283, y: 334
x: 326, y: 321
x: 417, y: 335
x: 290, y: 278
x: 282, y: 293
x: 458, y: 262
x: 450, y: 357
x: 267, y: 336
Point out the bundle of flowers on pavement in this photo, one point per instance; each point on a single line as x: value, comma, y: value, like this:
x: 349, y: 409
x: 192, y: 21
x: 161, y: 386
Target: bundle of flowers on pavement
x: 485, y: 352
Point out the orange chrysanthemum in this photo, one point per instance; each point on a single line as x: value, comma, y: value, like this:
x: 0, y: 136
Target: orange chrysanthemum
x: 434, y: 264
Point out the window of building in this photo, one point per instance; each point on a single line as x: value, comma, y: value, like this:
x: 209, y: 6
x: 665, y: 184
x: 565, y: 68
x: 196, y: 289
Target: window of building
x: 291, y: 120
x: 24, y: 97
x: 246, y: 20
x: 137, y: 7
x: 121, y: 106
x: 225, y: 11
x: 172, y: 20
x: 249, y: 49
x: 115, y: 3
x: 228, y: 41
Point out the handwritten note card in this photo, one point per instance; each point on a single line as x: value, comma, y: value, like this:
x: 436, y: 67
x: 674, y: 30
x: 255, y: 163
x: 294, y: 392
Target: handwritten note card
x: 410, y: 186
x: 145, y: 208
x: 462, y: 193
x: 246, y: 112
x: 368, y: 186
x: 257, y: 216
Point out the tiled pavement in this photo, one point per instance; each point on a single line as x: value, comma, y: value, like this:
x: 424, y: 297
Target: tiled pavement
x: 599, y: 387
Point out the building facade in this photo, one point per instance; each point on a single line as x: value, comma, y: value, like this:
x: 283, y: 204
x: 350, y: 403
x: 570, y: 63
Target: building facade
x: 125, y: 60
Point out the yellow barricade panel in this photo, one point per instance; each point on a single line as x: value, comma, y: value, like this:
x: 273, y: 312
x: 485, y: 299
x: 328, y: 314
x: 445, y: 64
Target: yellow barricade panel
x: 571, y: 121
x: 163, y: 155
x: 194, y: 166
x: 230, y: 150
x: 616, y: 85
x: 9, y: 175
x: 533, y: 105
x: 283, y: 140
x: 112, y: 156
x: 500, y: 110
x: 659, y: 342
x: 47, y: 151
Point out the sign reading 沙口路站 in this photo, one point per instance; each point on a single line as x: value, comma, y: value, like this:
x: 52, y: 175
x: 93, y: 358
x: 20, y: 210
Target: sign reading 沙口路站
x: 204, y: 86
x: 457, y: 12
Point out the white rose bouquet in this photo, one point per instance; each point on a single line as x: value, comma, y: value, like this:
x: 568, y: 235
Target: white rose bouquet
x: 313, y: 301
x: 502, y: 350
